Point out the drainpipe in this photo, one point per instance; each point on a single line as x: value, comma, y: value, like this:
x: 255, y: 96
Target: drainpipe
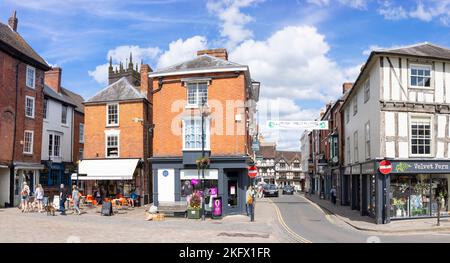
x: 12, y: 169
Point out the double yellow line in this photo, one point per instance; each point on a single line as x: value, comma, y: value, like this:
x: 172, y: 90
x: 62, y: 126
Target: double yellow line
x: 293, y: 235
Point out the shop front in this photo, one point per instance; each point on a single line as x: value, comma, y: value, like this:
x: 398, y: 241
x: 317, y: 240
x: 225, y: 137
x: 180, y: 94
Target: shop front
x: 112, y: 178
x: 346, y: 186
x: 225, y: 178
x: 416, y: 187
x: 25, y: 172
x: 356, y: 187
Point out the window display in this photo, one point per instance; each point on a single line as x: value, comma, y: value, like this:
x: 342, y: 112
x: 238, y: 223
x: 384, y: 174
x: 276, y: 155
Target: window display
x: 439, y: 188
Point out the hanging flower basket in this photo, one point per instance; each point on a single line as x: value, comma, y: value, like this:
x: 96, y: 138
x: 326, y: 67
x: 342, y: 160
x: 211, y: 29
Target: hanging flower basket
x: 202, y: 163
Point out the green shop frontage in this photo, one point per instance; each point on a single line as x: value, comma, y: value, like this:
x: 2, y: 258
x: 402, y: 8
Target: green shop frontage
x: 411, y: 190
x: 417, y: 187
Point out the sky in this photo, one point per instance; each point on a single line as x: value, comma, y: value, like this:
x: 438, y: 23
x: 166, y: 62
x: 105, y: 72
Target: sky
x: 300, y: 50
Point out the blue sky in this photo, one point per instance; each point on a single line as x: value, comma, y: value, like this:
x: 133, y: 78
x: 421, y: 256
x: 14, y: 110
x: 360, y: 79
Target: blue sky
x: 301, y: 50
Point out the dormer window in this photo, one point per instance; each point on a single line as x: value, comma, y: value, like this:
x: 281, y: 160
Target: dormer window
x: 197, y: 94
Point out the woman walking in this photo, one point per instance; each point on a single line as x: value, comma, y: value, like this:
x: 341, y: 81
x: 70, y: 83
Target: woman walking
x: 250, y: 198
x: 40, y: 198
x: 76, y: 199
x: 25, y: 193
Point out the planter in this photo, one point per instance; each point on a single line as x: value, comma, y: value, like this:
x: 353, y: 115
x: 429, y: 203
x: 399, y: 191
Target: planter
x: 194, y: 213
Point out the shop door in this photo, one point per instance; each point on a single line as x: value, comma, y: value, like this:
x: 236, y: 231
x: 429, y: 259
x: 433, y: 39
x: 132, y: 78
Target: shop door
x: 233, y: 201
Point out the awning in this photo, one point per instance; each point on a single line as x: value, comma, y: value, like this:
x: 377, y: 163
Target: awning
x: 114, y: 169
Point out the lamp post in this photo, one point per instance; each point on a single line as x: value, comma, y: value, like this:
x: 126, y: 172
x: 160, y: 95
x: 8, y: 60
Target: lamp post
x: 203, y: 113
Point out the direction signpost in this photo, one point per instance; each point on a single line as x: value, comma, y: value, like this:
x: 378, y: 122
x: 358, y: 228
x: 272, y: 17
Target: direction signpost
x: 289, y: 125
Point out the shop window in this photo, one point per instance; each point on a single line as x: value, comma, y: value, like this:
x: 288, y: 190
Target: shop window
x: 439, y: 187
x: 399, y: 196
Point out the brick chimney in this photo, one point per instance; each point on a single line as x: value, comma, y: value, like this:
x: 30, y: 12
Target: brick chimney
x: 145, y: 81
x: 221, y: 53
x: 346, y: 87
x: 13, y: 21
x: 53, y: 79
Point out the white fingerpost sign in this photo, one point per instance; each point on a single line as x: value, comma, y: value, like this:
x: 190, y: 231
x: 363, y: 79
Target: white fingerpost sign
x: 290, y: 125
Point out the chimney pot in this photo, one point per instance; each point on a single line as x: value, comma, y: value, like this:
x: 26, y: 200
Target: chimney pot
x: 346, y: 87
x: 221, y: 53
x: 53, y: 79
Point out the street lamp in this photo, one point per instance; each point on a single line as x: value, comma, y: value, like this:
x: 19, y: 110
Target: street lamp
x: 203, y: 112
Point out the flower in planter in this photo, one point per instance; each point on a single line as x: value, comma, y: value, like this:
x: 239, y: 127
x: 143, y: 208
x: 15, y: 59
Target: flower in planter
x: 195, y: 200
x: 202, y: 162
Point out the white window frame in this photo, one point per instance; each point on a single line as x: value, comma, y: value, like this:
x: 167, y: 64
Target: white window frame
x: 207, y: 134
x: 356, y: 146
x: 34, y: 107
x: 367, y: 91
x: 53, y: 144
x: 107, y: 115
x: 423, y: 117
x: 45, y: 109
x: 81, y: 133
x: 30, y: 68
x: 347, y: 115
x: 25, y: 141
x: 349, y: 154
x: 355, y: 105
x: 197, y: 103
x: 112, y: 133
x: 62, y: 112
x: 367, y: 140
x: 420, y: 66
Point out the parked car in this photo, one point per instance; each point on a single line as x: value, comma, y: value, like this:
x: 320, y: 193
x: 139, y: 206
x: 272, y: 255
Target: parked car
x: 270, y: 190
x: 288, y: 190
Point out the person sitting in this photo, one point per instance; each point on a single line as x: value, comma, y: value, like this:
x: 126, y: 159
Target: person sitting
x: 134, y: 198
x: 98, y: 197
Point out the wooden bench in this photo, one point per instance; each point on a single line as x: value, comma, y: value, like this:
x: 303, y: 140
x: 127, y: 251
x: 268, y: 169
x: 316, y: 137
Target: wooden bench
x: 173, y: 207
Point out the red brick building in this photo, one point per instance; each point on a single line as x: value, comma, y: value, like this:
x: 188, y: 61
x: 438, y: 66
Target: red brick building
x: 21, y: 111
x: 118, y: 130
x: 225, y: 95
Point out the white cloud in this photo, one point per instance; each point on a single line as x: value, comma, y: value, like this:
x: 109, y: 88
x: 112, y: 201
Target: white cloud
x: 358, y: 4
x: 319, y: 2
x: 292, y: 63
x: 122, y: 54
x: 182, y: 50
x: 392, y: 12
x: 421, y: 13
x: 233, y: 20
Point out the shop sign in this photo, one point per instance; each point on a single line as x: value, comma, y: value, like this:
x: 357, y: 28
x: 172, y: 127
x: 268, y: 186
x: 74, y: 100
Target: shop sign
x: 368, y: 168
x: 356, y: 169
x: 420, y: 167
x: 348, y: 170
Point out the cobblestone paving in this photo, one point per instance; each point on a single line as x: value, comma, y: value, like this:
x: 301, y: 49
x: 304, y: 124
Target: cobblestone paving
x: 131, y: 226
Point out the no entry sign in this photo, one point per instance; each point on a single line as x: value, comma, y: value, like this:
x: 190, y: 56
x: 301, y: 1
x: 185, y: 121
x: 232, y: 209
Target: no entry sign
x: 385, y: 167
x: 252, y: 171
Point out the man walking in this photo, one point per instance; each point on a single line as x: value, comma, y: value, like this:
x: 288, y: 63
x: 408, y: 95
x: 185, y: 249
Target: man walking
x: 333, y: 195
x: 62, y: 200
x: 250, y: 197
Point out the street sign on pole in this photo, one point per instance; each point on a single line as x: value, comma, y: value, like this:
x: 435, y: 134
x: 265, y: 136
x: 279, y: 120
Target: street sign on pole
x: 289, y: 125
x: 385, y: 167
x: 252, y: 171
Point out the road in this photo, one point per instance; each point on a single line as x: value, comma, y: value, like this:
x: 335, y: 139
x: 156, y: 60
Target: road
x: 305, y: 222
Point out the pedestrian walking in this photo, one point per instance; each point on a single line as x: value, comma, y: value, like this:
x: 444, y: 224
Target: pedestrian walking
x: 40, y: 198
x: 250, y: 204
x: 25, y: 194
x: 260, y: 191
x: 333, y: 195
x: 62, y: 199
x: 76, y: 199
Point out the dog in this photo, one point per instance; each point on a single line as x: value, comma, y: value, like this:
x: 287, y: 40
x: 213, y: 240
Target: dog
x: 50, y: 210
x: 155, y: 217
